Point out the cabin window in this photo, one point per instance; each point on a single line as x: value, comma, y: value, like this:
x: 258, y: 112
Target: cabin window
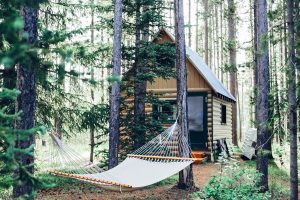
x: 223, y: 114
x: 165, y: 110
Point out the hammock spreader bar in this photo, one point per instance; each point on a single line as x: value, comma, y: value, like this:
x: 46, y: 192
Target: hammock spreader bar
x: 163, y: 157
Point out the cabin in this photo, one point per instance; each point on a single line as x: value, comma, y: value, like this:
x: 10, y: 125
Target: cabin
x: 209, y: 102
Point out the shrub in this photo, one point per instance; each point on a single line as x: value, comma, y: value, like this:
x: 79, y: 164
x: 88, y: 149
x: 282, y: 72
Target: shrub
x: 234, y: 183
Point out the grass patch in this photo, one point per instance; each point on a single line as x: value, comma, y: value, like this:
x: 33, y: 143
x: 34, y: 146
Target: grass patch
x: 169, y: 181
x: 66, y: 184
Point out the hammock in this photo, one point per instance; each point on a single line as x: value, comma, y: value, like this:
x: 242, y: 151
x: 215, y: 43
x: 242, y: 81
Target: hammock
x: 163, y: 156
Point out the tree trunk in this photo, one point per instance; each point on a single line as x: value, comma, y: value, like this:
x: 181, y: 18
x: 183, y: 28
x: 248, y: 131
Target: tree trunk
x: 292, y: 111
x: 297, y: 39
x: 222, y: 43
x: 26, y: 83
x: 190, y: 26
x: 114, y: 120
x: 9, y: 81
x: 58, y: 127
x: 92, y: 143
x: 92, y: 130
x: 232, y: 63
x: 205, y: 3
x: 140, y: 87
x: 254, y: 43
x: 197, y: 25
x: 185, y: 176
x: 217, y: 63
x: 263, y: 134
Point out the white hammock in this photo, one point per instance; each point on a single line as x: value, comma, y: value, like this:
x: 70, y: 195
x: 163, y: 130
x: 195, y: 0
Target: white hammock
x: 165, y: 155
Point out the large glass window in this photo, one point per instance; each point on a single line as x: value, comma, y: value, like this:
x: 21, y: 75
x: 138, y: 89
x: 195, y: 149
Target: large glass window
x: 195, y: 113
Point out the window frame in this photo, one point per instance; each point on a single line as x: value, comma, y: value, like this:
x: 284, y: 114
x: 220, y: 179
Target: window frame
x: 223, y: 114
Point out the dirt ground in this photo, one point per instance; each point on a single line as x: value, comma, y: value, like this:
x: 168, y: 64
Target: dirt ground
x: 202, y: 174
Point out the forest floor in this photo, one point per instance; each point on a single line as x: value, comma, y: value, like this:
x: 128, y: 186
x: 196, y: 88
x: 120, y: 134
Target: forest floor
x: 69, y: 189
x: 167, y: 189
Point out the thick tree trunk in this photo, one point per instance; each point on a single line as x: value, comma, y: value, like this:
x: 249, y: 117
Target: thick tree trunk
x: 140, y: 87
x: 232, y: 63
x: 292, y: 111
x: 114, y: 121
x: 297, y: 39
x: 263, y: 134
x: 26, y: 83
x: 185, y: 176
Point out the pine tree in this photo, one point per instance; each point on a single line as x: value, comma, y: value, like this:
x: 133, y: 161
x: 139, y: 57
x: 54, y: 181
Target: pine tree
x: 232, y: 64
x: 292, y: 99
x: 185, y: 176
x: 262, y: 56
x: 114, y: 120
x: 26, y: 83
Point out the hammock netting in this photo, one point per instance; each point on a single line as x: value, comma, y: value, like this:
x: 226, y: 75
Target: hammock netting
x: 163, y: 156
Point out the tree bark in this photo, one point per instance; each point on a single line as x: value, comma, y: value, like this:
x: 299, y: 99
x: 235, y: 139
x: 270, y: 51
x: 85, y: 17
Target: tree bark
x: 222, y: 43
x: 9, y: 81
x: 292, y: 110
x: 114, y: 121
x: 92, y: 130
x: 185, y: 176
x: 297, y: 39
x: 205, y: 3
x: 140, y: 87
x: 58, y: 126
x: 254, y: 44
x: 232, y: 63
x: 197, y: 25
x: 190, y: 26
x: 26, y: 101
x: 217, y: 42
x: 263, y: 134
x: 92, y: 144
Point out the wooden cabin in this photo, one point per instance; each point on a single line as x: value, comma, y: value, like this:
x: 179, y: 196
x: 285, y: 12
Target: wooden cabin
x: 209, y: 102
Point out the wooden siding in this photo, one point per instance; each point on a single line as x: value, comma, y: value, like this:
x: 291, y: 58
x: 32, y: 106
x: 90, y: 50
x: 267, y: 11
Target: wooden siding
x: 195, y: 80
x: 222, y: 130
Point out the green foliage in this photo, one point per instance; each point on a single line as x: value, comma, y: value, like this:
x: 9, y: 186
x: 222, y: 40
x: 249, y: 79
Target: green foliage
x: 8, y: 151
x: 278, y: 179
x: 144, y: 61
x: 169, y: 181
x: 234, y: 183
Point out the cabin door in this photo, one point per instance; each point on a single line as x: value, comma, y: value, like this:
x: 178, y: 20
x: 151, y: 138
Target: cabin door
x: 197, y: 119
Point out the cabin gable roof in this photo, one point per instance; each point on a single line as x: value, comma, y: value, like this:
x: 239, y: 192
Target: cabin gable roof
x: 201, y: 67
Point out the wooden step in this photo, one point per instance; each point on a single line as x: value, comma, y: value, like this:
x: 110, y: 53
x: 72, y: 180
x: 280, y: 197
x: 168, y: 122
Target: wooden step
x: 199, y: 154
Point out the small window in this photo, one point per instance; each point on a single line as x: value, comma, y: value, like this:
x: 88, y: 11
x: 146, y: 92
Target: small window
x: 223, y: 114
x: 166, y: 110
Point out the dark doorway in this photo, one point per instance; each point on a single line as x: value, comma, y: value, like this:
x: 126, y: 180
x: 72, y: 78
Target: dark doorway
x: 197, y: 118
